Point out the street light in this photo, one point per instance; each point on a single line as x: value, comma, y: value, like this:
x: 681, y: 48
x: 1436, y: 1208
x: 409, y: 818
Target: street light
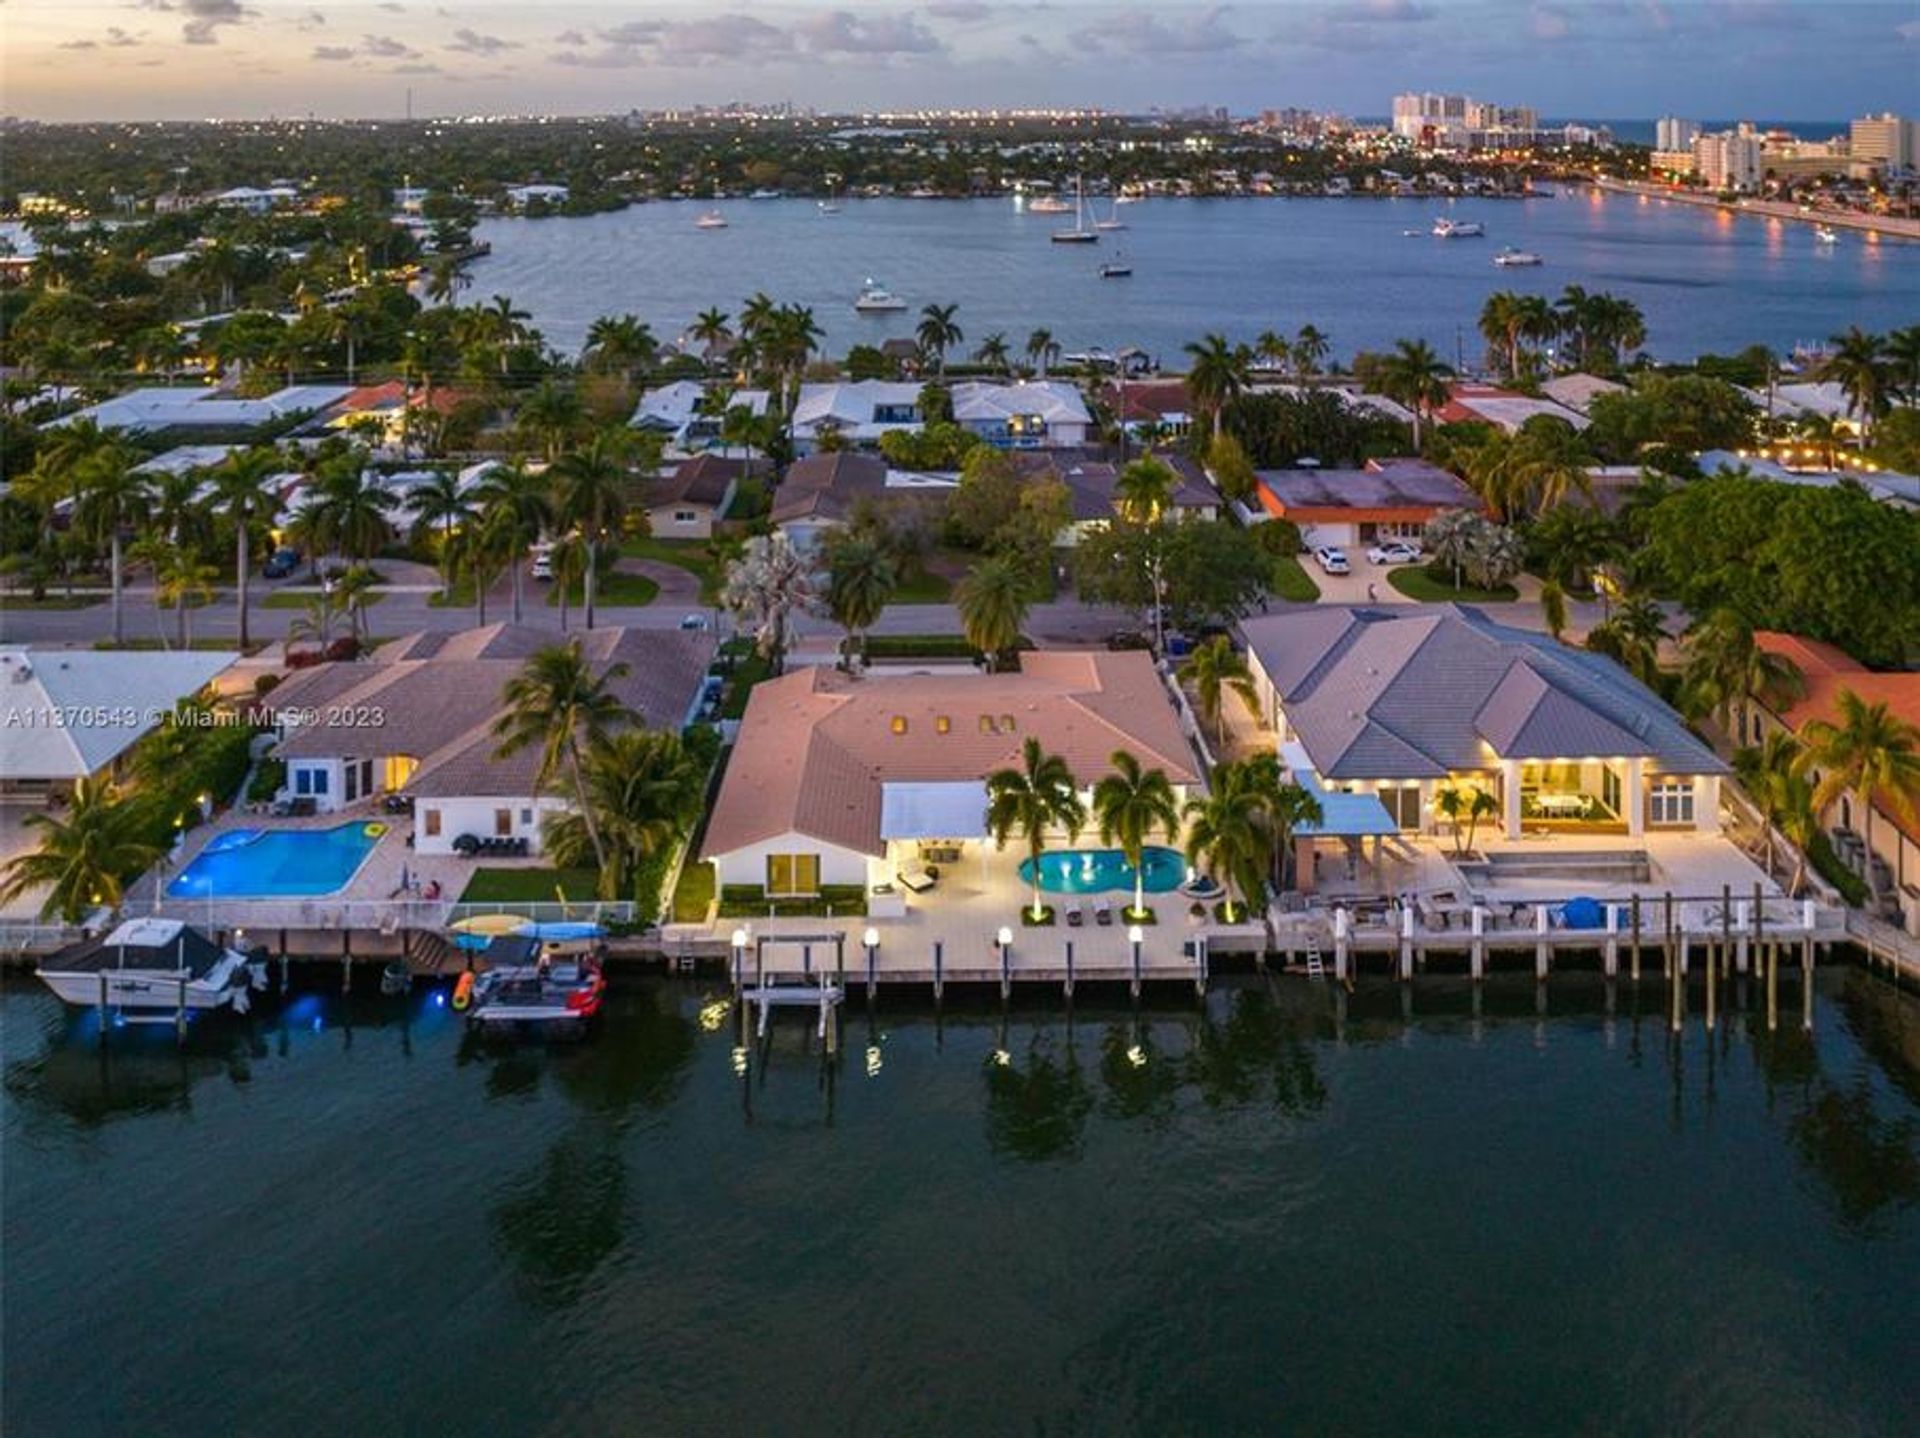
x: 870, y: 941
x: 739, y: 954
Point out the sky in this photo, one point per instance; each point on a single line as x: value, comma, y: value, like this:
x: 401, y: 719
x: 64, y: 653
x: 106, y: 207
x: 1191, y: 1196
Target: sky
x: 1590, y: 59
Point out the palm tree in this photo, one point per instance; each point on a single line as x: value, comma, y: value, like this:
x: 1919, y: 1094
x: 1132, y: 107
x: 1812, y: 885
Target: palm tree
x: 937, y: 333
x: 557, y: 704
x: 710, y: 329
x: 315, y: 621
x: 1310, y: 348
x: 1144, y: 489
x: 593, y: 495
x: 1860, y: 365
x: 1042, y: 350
x: 86, y: 853
x: 110, y: 497
x: 1216, y: 377
x: 446, y: 277
x: 1285, y: 806
x: 1039, y: 795
x: 347, y: 514
x: 992, y: 601
x: 1773, y: 774
x: 1614, y: 324
x: 993, y: 353
x: 1631, y: 636
x: 1571, y: 321
x: 1212, y: 669
x: 1228, y: 833
x: 240, y: 487
x: 507, y: 326
x: 1465, y: 804
x: 1273, y: 347
x: 440, y: 508
x: 551, y: 414
x: 765, y: 585
x: 1903, y: 355
x: 1727, y: 670
x: 860, y: 581
x: 516, y: 509
x: 568, y: 560
x: 1413, y: 375
x: 623, y: 343
x: 1500, y: 327
x: 1132, y: 804
x: 1870, y: 751
x: 643, y: 790
x: 182, y: 580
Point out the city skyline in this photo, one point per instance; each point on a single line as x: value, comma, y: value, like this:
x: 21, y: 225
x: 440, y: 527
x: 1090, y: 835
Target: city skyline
x: 222, y: 59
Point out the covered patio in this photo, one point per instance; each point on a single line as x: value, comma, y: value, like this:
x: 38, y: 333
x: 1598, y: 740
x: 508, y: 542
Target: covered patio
x: 1366, y: 834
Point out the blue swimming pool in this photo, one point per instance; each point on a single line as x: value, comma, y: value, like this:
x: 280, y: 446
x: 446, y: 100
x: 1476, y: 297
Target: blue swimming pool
x: 1094, y: 871
x: 273, y: 863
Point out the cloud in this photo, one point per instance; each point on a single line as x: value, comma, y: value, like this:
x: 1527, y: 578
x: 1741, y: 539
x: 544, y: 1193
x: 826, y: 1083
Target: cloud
x: 205, y: 17
x: 1908, y: 31
x: 385, y: 47
x: 840, y: 32
x: 965, y: 12
x: 741, y: 39
x: 472, y: 42
x: 333, y: 52
x: 312, y: 20
x: 1379, y: 12
x: 417, y: 68
x: 1547, y: 23
x: 78, y: 45
x: 569, y: 37
x: 1136, y: 33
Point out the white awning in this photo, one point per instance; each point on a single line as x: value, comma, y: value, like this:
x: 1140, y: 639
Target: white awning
x: 955, y: 810
x: 1342, y: 816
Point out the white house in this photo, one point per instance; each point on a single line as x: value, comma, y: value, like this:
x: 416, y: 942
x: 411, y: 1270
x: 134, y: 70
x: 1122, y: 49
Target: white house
x: 683, y: 414
x: 1030, y: 414
x: 418, y: 719
x: 860, y: 411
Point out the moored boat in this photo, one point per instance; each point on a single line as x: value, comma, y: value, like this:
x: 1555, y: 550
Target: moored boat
x: 1510, y: 258
x: 152, y: 968
x: 875, y: 298
x: 1450, y: 229
x: 524, y: 983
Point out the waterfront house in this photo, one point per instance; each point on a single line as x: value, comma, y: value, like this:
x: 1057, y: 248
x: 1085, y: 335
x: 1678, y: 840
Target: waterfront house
x: 859, y: 411
x: 1354, y: 508
x: 382, y: 413
x: 1161, y: 405
x: 843, y: 782
x: 687, y: 500
x: 157, y: 409
x: 688, y: 415
x: 417, y: 719
x: 1469, y: 402
x: 820, y: 490
x: 1827, y: 672
x: 1578, y: 391
x: 1405, y: 701
x: 1031, y: 414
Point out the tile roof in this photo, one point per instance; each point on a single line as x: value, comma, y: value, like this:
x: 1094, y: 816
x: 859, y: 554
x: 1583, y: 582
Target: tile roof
x: 1423, y: 691
x: 1400, y: 491
x: 67, y: 712
x: 825, y: 486
x: 1509, y: 409
x: 816, y: 748
x: 704, y: 479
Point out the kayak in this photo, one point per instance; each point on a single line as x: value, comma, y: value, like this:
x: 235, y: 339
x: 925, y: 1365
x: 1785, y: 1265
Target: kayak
x: 560, y: 930
x: 492, y: 924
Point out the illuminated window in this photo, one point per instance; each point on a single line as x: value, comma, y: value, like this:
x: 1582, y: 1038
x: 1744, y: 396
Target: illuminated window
x: 987, y: 726
x: 899, y: 723
x: 942, y: 725
x: 1006, y: 724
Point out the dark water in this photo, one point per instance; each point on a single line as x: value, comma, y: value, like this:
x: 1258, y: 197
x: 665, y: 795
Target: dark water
x: 1267, y: 1215
x: 1704, y: 279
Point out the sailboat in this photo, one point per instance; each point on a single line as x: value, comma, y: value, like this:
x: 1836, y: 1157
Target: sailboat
x: 1117, y: 268
x: 830, y: 205
x: 1079, y: 234
x: 1113, y: 220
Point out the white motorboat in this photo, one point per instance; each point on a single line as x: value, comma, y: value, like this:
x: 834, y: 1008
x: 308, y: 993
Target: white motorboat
x: 828, y: 207
x: 711, y: 220
x: 150, y: 968
x: 1512, y: 258
x: 1826, y: 235
x: 1048, y: 205
x: 1449, y: 229
x: 1079, y: 234
x: 876, y: 299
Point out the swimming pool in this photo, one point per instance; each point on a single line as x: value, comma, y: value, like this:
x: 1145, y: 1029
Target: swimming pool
x: 270, y: 863
x: 1093, y: 871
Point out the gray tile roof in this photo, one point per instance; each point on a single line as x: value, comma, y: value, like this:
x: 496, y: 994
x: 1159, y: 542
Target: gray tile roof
x: 1422, y: 691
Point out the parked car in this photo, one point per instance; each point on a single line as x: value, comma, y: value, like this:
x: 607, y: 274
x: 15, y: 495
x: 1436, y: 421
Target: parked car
x: 542, y: 566
x: 1332, y: 559
x: 693, y: 621
x: 281, y: 563
x: 1129, y: 639
x: 1394, y: 551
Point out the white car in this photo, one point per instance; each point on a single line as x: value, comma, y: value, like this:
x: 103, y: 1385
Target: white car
x: 1394, y: 551
x: 1332, y: 559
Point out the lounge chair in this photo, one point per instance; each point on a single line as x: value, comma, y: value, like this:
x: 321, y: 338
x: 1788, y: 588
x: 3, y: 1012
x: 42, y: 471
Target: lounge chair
x: 1075, y: 916
x: 915, y: 879
x: 1103, y: 912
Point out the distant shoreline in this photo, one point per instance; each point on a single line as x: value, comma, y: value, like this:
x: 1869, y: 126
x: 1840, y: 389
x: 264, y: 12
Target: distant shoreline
x: 1890, y: 226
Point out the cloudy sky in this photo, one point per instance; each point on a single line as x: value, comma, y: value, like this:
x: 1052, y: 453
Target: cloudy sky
x: 1784, y: 59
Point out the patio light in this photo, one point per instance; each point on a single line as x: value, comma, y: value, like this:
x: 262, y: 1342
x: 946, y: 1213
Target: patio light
x: 1005, y: 937
x: 871, y: 938
x: 739, y: 938
x: 1136, y: 934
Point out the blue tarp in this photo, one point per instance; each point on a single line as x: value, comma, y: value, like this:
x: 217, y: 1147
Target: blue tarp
x: 1583, y: 914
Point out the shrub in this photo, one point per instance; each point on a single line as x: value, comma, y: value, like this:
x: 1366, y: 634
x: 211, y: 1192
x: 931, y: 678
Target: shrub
x: 269, y: 779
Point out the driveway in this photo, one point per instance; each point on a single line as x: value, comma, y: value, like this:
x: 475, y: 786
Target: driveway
x: 679, y: 588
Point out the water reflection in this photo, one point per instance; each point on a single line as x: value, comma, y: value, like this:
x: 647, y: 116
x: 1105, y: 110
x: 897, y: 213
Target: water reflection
x: 1037, y: 1100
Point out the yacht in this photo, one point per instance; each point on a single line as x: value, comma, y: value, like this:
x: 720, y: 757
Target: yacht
x: 1079, y: 234
x: 764, y: 194
x: 1047, y: 205
x: 1826, y: 235
x: 1510, y: 257
x: 1449, y: 229
x: 149, y: 969
x: 876, y: 299
x: 711, y: 220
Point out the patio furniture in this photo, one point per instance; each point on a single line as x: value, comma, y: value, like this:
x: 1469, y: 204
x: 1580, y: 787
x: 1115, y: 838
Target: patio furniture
x: 1203, y: 886
x: 915, y: 878
x: 1103, y: 913
x: 1075, y: 915
x: 1561, y: 805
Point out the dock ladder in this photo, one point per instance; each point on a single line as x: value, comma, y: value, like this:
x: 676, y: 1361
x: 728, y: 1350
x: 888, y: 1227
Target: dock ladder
x: 1315, y: 968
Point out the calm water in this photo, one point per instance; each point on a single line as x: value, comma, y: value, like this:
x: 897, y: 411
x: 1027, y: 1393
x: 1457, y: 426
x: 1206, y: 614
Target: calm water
x: 1705, y: 281
x: 1267, y: 1215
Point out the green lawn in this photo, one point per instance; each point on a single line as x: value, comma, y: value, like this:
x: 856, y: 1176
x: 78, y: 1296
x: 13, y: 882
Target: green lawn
x: 205, y: 646
x: 529, y: 886
x: 919, y: 646
x: 299, y: 598
x: 688, y: 554
x: 748, y: 671
x: 693, y: 895
x: 1291, y: 580
x: 1415, y: 582
x: 618, y: 590
x: 923, y: 586
x: 26, y: 603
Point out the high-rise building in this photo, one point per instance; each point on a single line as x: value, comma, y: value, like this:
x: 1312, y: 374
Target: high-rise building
x: 1729, y: 160
x: 1672, y: 134
x: 1460, y: 121
x: 1890, y: 139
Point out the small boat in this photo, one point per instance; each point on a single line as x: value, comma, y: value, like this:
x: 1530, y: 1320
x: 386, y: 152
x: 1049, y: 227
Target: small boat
x: 764, y: 195
x: 711, y: 220
x: 562, y: 931
x: 1079, y: 234
x: 1510, y: 257
x: 149, y: 969
x: 1116, y: 270
x: 1123, y: 198
x: 876, y: 299
x: 1448, y: 229
x: 828, y: 207
x: 491, y: 924
x: 1113, y: 220
x: 1048, y: 205
x: 523, y: 985
x: 1826, y: 235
